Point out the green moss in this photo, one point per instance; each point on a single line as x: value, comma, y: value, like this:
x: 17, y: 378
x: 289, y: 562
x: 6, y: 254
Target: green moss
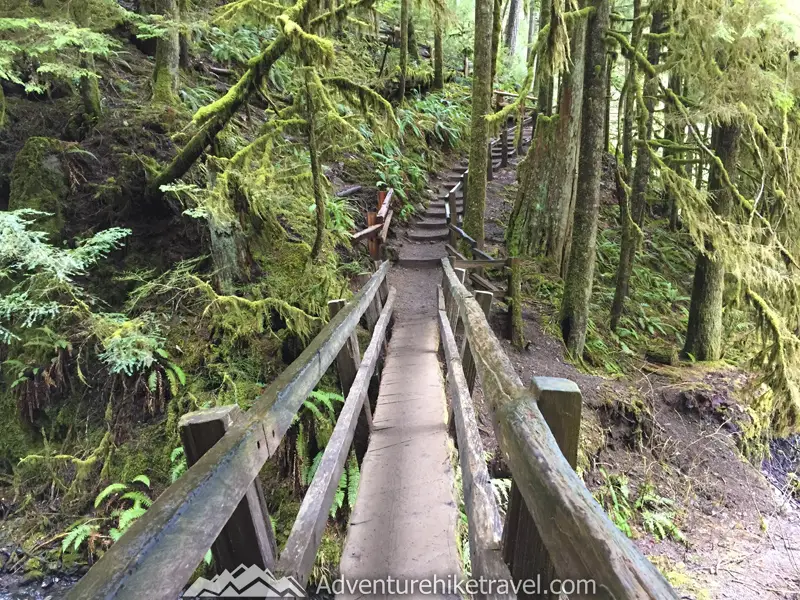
x: 16, y: 440
x: 39, y: 182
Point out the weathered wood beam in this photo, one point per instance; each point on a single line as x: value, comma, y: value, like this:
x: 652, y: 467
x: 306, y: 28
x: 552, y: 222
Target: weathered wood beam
x: 385, y: 205
x: 297, y: 558
x: 480, y: 263
x: 348, y: 191
x: 385, y: 229
x: 368, y: 233
x: 483, y: 516
x: 583, y: 543
x: 162, y: 549
x: 247, y: 538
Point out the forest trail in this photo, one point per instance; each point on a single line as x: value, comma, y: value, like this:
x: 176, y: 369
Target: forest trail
x: 405, y: 518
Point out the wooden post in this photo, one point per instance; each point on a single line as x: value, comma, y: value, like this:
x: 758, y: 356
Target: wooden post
x: 514, y: 300
x: 373, y: 312
x: 484, y: 299
x: 373, y: 244
x: 559, y: 401
x: 453, y: 314
x: 247, y: 539
x: 347, y: 362
x: 504, y: 144
x: 490, y: 166
x: 451, y: 202
x: 464, y: 178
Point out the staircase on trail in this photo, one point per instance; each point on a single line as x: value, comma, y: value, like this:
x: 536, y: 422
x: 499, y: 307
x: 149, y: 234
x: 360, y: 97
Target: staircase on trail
x: 424, y: 246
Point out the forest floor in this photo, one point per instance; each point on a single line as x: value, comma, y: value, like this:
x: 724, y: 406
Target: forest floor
x: 653, y: 431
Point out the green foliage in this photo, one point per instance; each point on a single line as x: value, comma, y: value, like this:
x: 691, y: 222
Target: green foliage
x: 55, y: 46
x: 123, y: 502
x: 655, y: 513
x: 179, y: 465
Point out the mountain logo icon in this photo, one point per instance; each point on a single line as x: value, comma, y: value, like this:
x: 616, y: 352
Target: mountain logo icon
x: 246, y: 582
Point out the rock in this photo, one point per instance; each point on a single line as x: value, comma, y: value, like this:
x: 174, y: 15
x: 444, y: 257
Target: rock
x: 39, y: 182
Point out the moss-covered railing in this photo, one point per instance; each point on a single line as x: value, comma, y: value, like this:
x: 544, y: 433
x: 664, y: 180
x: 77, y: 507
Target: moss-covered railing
x: 155, y: 558
x: 554, y: 528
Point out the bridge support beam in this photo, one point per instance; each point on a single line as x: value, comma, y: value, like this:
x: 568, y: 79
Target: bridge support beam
x: 559, y: 401
x: 247, y: 539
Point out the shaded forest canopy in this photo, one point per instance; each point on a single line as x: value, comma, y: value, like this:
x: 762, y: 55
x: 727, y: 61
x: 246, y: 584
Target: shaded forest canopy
x: 170, y: 232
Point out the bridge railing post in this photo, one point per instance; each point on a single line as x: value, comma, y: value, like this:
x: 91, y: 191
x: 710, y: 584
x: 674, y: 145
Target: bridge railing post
x: 490, y: 165
x: 504, y: 144
x: 247, y: 539
x: 347, y: 363
x: 559, y: 401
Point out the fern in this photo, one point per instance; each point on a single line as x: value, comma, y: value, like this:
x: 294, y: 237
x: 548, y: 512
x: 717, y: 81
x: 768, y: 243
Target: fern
x: 108, y: 491
x: 77, y: 535
x: 339, y: 497
x: 138, y: 498
x: 353, y: 480
x: 143, y: 479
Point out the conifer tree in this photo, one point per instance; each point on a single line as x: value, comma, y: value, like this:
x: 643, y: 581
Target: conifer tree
x: 165, y: 75
x: 574, y: 317
x: 404, y: 21
x: 479, y: 132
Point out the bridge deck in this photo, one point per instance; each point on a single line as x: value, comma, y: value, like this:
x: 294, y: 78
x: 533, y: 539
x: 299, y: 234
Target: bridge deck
x: 405, y: 518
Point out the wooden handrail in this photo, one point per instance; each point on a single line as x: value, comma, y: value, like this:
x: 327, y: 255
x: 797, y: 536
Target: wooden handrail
x: 161, y: 550
x: 387, y: 201
x: 483, y: 516
x: 580, y: 539
x: 297, y: 558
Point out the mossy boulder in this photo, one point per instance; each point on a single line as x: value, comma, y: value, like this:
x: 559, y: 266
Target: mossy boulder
x: 39, y: 181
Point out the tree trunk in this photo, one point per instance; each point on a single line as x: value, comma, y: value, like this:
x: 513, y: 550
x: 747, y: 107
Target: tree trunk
x: 533, y: 218
x: 438, y: 50
x: 316, y: 173
x: 676, y: 133
x: 413, y: 47
x: 404, y: 6
x: 578, y: 285
x: 165, y: 76
x: 496, y: 30
x: 531, y: 30
x: 568, y: 132
x: 630, y: 93
x: 512, y: 26
x: 631, y: 223
x: 544, y: 80
x: 87, y: 86
x: 704, y: 334
x: 479, y: 133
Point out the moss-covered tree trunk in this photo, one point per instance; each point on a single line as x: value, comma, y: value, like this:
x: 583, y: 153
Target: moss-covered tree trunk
x: 704, y: 333
x: 496, y: 31
x: 574, y: 316
x: 404, y: 12
x: 165, y: 75
x: 533, y: 218
x: 629, y: 93
x: 438, y: 50
x: 544, y: 79
x: 413, y: 45
x: 316, y: 173
x: 632, y: 220
x: 675, y: 133
x: 512, y: 26
x: 479, y: 133
x: 568, y: 135
x: 87, y: 85
x: 531, y: 30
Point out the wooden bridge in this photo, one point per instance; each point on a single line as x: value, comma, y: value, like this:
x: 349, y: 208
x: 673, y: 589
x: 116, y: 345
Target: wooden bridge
x: 435, y: 344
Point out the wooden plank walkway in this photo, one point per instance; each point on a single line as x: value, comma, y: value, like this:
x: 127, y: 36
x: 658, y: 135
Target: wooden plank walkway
x: 405, y: 518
